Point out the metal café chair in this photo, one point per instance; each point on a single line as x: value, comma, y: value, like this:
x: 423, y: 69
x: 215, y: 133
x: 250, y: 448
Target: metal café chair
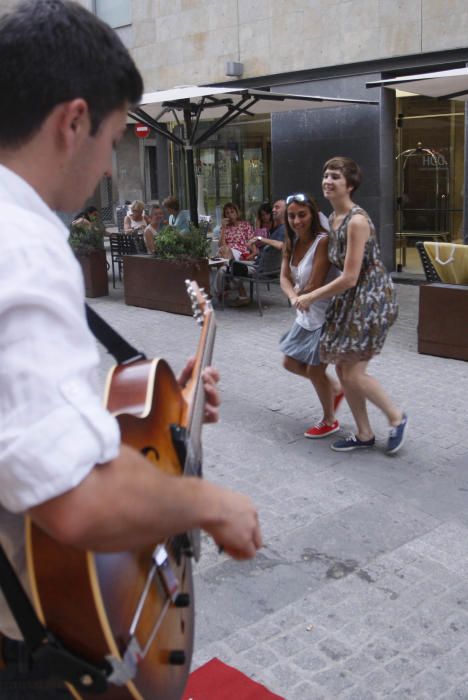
x: 123, y: 244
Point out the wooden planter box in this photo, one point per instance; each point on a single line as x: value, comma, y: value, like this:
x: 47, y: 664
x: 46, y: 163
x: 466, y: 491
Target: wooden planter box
x: 94, y: 266
x: 160, y: 284
x: 443, y: 320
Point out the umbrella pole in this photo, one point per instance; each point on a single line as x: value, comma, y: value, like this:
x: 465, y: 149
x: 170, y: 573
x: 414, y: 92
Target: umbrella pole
x: 188, y: 148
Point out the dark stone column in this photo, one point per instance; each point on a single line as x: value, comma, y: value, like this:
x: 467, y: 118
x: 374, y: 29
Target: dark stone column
x: 386, y: 230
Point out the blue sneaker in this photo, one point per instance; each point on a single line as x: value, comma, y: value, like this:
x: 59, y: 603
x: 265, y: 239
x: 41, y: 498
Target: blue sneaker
x: 397, y: 435
x: 351, y: 443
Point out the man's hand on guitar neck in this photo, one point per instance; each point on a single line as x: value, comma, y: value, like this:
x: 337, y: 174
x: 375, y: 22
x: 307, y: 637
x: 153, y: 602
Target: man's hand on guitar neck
x: 210, y: 380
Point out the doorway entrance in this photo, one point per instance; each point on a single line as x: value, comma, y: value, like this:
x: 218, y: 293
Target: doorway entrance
x: 429, y: 175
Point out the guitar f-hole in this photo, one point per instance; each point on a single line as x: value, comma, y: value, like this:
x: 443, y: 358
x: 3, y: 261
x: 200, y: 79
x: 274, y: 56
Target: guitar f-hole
x: 151, y: 453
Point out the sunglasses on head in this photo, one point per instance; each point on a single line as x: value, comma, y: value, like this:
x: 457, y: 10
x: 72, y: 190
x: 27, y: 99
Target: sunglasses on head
x: 299, y: 197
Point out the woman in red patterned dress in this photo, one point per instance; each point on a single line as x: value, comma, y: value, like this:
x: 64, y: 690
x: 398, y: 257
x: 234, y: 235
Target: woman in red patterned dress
x: 235, y: 235
x: 234, y: 243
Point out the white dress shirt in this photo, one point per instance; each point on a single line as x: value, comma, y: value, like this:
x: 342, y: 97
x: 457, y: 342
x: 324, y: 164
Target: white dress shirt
x: 53, y: 427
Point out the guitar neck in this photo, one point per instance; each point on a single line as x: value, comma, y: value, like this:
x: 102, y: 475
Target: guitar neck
x: 194, y: 393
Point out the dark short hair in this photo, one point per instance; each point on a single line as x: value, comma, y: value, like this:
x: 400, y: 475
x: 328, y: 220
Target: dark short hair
x: 171, y: 203
x: 232, y: 206
x: 350, y: 169
x: 54, y: 51
x: 265, y: 207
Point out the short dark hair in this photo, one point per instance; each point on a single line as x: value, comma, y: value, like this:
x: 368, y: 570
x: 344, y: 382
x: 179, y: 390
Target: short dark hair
x: 264, y: 207
x: 232, y: 206
x: 90, y: 210
x: 171, y: 203
x: 54, y: 51
x: 350, y: 169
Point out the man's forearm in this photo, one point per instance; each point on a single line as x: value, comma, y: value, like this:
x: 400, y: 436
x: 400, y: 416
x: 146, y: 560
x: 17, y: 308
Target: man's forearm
x: 129, y: 503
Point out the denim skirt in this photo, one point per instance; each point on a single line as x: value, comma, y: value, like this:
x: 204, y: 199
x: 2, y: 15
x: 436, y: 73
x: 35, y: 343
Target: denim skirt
x: 302, y: 345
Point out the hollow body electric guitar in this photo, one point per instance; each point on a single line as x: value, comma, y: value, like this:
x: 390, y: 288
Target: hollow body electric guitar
x: 131, y: 614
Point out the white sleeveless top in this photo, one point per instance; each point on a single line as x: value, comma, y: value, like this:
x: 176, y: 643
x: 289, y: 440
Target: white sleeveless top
x: 314, y: 317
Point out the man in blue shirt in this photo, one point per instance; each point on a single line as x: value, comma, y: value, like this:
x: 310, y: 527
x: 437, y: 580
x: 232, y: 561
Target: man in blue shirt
x: 269, y: 257
x: 179, y: 218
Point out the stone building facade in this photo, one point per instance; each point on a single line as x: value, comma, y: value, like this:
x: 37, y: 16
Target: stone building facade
x: 306, y: 47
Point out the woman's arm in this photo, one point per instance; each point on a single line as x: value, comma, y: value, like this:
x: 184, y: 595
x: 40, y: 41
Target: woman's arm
x: 222, y: 237
x: 149, y: 239
x: 320, y: 268
x: 127, y: 224
x: 357, y: 236
x: 286, y: 282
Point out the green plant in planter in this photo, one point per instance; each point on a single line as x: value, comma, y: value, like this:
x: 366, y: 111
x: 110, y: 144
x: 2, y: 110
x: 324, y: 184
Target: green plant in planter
x: 171, y: 244
x: 86, y: 238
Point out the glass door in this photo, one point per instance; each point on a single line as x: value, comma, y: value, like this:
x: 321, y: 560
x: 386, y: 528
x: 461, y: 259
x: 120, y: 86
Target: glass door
x: 429, y: 175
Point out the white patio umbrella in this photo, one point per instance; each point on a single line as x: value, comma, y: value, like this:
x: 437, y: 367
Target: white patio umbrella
x: 445, y: 84
x: 189, y: 106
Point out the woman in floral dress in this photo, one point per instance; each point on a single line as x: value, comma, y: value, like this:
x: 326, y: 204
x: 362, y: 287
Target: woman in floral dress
x: 235, y: 235
x: 361, y: 311
x: 235, y: 244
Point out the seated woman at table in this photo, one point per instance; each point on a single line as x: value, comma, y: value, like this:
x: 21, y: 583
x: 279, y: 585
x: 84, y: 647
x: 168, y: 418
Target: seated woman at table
x: 264, y: 221
x: 235, y: 244
x: 235, y: 235
x: 87, y: 217
x: 90, y: 218
x: 136, y: 220
x: 155, y: 225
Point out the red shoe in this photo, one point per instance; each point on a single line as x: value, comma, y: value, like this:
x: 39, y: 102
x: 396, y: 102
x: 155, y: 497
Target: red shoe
x: 322, y: 430
x: 338, y: 399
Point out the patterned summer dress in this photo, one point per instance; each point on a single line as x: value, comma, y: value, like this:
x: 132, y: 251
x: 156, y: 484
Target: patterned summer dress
x: 357, y: 321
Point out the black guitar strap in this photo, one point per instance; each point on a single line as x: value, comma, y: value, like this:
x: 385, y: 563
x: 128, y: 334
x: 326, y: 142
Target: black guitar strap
x: 111, y: 340
x: 32, y: 629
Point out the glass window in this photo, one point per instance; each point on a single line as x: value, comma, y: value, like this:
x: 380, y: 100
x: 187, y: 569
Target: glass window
x: 235, y: 167
x: 151, y: 173
x: 116, y: 13
x: 429, y: 174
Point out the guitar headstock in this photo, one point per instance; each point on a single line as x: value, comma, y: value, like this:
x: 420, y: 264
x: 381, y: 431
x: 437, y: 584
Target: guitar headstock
x: 201, y: 304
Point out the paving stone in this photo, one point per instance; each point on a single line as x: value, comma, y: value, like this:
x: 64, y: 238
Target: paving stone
x: 428, y: 682
x: 361, y: 590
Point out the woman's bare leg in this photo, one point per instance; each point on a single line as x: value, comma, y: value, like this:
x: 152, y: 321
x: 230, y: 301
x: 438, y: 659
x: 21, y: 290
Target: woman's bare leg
x: 326, y: 389
x: 360, y: 387
x: 295, y: 366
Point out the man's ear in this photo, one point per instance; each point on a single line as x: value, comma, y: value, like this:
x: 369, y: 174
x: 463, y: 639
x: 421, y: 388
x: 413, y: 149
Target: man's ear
x: 73, y: 122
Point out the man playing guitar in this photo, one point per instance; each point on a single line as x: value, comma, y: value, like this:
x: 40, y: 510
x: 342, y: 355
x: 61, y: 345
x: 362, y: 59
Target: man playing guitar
x: 70, y: 81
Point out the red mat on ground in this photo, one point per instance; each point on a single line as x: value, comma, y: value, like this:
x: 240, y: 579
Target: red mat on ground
x: 218, y: 681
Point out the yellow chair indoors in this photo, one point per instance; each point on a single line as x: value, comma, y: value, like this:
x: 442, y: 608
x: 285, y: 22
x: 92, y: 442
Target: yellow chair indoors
x: 450, y: 261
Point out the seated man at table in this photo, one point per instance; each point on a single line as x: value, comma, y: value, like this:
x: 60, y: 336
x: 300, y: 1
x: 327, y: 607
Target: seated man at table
x: 179, y: 218
x: 269, y: 257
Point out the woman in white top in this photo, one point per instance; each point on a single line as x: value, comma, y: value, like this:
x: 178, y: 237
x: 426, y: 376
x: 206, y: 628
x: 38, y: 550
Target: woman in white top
x: 136, y: 220
x: 306, y: 267
x: 151, y: 231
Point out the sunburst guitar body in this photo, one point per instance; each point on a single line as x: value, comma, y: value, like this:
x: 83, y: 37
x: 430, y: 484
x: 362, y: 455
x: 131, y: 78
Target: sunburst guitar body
x: 132, y: 613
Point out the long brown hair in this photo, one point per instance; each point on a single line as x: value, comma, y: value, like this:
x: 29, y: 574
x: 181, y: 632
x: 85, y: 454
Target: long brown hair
x: 315, y: 227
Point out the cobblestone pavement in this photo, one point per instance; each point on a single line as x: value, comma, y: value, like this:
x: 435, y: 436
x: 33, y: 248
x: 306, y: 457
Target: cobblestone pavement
x: 361, y: 590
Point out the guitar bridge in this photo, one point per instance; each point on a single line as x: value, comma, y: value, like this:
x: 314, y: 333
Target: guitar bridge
x: 166, y: 575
